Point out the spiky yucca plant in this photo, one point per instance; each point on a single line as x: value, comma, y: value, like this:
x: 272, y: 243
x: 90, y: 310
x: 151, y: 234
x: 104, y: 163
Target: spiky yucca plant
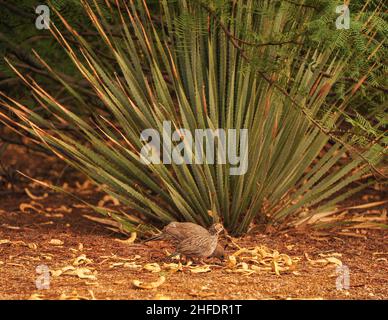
x: 208, y: 64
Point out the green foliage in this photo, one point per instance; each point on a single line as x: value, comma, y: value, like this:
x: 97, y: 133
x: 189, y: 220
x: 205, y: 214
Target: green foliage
x: 18, y: 27
x: 18, y: 35
x: 246, y: 69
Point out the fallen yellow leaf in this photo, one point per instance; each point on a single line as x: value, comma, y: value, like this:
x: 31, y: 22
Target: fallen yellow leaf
x: 81, y: 260
x: 275, y: 268
x: 130, y: 240
x: 34, y: 197
x: 173, y: 266
x: 150, y: 285
x: 56, y: 242
x: 153, y: 267
x: 200, y: 269
x: 36, y: 296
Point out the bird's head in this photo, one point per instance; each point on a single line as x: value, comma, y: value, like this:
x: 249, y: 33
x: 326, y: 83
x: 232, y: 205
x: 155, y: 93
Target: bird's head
x: 219, y: 252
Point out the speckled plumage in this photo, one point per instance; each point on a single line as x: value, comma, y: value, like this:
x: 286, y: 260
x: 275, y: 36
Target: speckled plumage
x: 201, y: 245
x: 179, y: 231
x: 193, y: 240
x: 197, y: 246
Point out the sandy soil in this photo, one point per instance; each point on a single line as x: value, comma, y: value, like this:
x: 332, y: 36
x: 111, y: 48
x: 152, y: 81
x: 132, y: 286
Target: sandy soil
x: 26, y: 242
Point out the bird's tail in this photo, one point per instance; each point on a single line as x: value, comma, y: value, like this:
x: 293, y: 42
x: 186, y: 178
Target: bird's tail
x: 157, y: 237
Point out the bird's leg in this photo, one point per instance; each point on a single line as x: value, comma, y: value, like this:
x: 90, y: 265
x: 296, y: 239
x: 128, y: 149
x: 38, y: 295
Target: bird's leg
x: 197, y: 261
x: 186, y: 260
x: 174, y: 255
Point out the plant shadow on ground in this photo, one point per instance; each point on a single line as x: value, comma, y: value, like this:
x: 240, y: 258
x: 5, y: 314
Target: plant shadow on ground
x: 26, y: 242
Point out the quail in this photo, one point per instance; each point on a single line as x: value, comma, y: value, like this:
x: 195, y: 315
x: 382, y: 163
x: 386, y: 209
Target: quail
x: 200, y: 245
x: 179, y: 231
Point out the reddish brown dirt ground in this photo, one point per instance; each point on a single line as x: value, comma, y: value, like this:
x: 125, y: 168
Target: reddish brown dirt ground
x: 25, y: 244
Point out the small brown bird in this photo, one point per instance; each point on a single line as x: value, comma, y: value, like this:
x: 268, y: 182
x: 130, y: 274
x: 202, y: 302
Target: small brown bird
x: 179, y: 231
x: 200, y: 245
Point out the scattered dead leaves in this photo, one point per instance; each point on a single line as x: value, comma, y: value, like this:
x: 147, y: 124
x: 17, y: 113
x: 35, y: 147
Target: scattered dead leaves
x: 130, y: 240
x: 200, y: 269
x: 106, y: 199
x: 82, y: 273
x: 34, y: 197
x: 82, y: 260
x: 149, y: 285
x: 260, y: 258
x: 152, y: 267
x: 32, y: 246
x: 75, y: 296
x: 56, y: 242
x: 48, y: 212
x: 36, y: 296
x: 173, y: 267
x: 327, y: 259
